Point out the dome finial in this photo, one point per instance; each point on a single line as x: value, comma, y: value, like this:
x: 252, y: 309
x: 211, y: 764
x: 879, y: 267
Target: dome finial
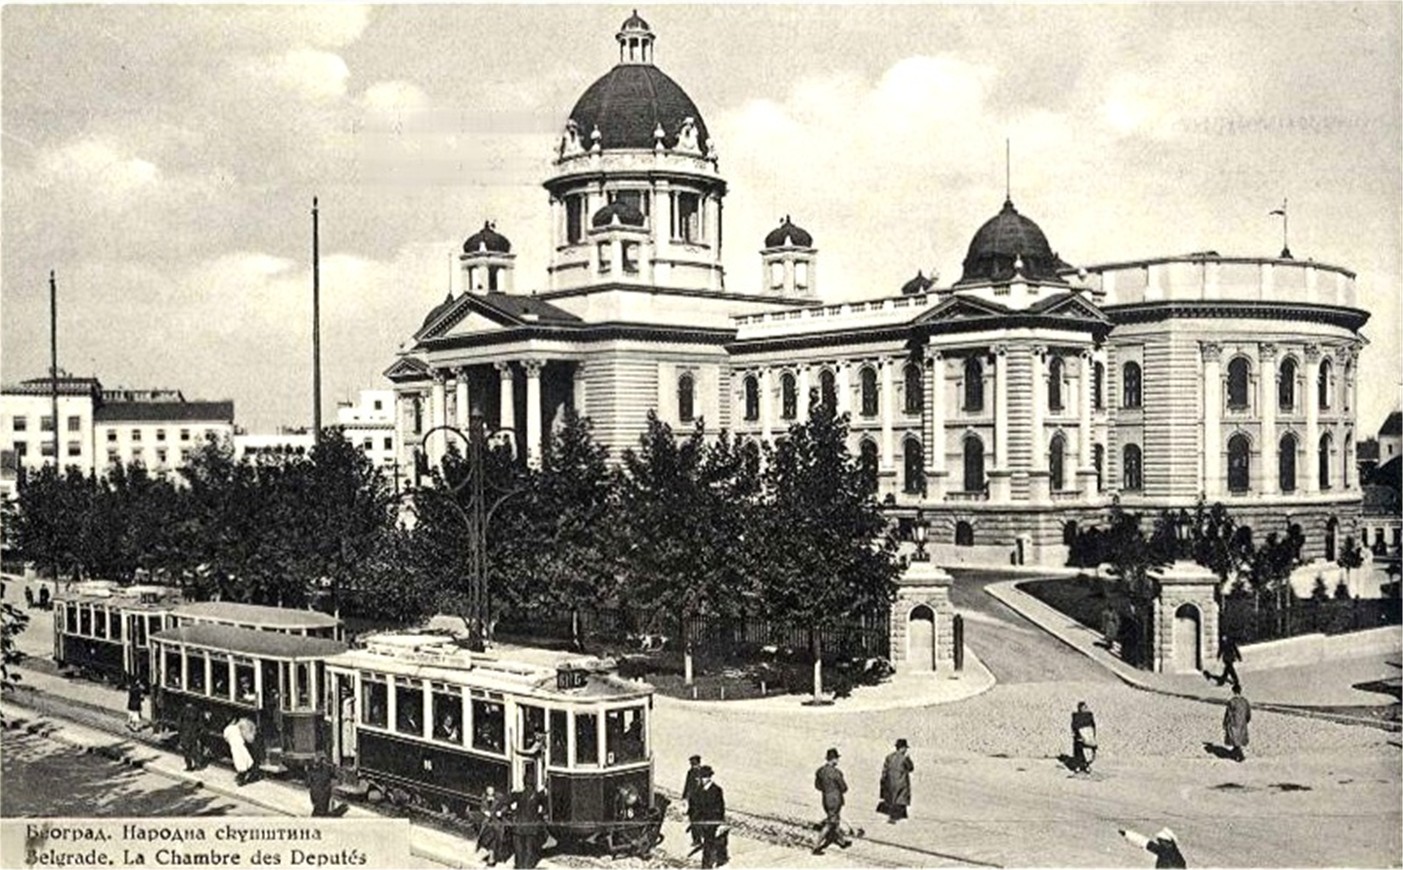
x: 635, y: 40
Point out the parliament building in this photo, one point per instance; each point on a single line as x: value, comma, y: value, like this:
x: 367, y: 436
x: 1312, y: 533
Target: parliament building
x: 1013, y: 406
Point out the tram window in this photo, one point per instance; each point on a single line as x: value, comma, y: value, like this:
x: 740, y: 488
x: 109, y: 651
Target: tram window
x: 409, y: 708
x: 139, y: 630
x: 72, y: 611
x: 586, y: 738
x: 559, y: 738
x: 153, y: 623
x: 489, y: 726
x: 448, y: 713
x: 116, y: 630
x: 219, y: 676
x: 85, y: 620
x: 243, y: 679
x: 99, y: 622
x: 303, y: 682
x: 376, y: 708
x: 195, y: 663
x: 172, y: 659
x: 623, y: 735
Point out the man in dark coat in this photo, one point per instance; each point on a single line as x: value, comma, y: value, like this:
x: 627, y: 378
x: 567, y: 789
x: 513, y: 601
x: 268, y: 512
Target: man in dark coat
x: 1230, y: 654
x: 689, y: 788
x: 528, y: 827
x: 320, y: 779
x: 707, y: 808
x: 829, y: 780
x: 1083, y: 738
x: 1235, y: 718
x: 1164, y: 847
x: 896, y: 783
x: 192, y: 741
x: 136, y: 691
x: 491, y: 836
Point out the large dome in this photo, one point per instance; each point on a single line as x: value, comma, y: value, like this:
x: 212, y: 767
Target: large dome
x: 1002, y: 242
x: 629, y: 103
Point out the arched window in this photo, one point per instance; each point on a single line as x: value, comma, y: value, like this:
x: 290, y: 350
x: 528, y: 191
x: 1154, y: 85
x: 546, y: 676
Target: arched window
x: 1286, y: 463
x: 1098, y: 462
x: 752, y: 398
x: 914, y: 388
x: 867, y: 463
x: 914, y: 460
x: 1130, y: 385
x: 1346, y: 375
x: 1323, y: 385
x: 686, y: 410
x: 868, y: 384
x: 1134, y: 478
x: 1239, y: 382
x: 1332, y: 528
x: 1054, y: 384
x: 964, y: 534
x: 1239, y: 463
x: 1325, y: 444
x: 974, y: 384
x: 1286, y: 385
x: 828, y: 388
x: 1056, y: 462
x: 974, y: 464
x: 789, y: 396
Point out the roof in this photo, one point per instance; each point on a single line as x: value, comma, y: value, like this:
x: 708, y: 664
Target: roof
x: 1007, y: 245
x: 789, y: 235
x: 1393, y: 424
x: 252, y: 642
x: 509, y: 309
x: 487, y: 239
x: 635, y: 22
x: 256, y: 614
x: 161, y: 412
x: 437, y: 311
x: 67, y: 386
x: 918, y: 284
x: 629, y: 102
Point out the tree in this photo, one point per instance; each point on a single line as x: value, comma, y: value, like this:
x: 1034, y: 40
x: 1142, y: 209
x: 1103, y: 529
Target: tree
x: 12, y: 621
x: 823, y: 551
x: 1133, y: 559
x: 1351, y: 556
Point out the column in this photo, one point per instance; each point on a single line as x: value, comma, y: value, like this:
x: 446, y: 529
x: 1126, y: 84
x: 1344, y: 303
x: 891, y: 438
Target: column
x: 766, y: 406
x: 507, y: 415
x: 1212, y: 412
x: 1001, y: 407
x: 533, y: 411
x: 1040, y: 480
x: 579, y: 395
x: 662, y: 218
x: 935, y: 437
x: 1084, y: 434
x: 1266, y: 396
x: 888, y: 412
x: 438, y: 404
x: 804, y: 408
x: 1311, y: 397
x: 843, y: 387
x: 461, y: 398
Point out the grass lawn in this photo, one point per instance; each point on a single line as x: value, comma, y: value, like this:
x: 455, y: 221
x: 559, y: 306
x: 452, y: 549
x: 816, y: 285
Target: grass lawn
x: 1083, y: 598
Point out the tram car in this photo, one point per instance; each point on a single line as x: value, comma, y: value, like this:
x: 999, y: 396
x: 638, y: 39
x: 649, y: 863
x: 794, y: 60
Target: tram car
x: 308, y: 623
x: 226, y: 673
x: 421, y: 719
x: 103, y: 630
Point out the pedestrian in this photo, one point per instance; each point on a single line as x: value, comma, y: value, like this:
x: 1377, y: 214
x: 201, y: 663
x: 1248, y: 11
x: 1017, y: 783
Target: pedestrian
x: 1235, y: 718
x: 829, y: 780
x: 136, y: 692
x: 192, y: 745
x: 320, y: 779
x: 896, y: 783
x: 238, y: 750
x: 1110, y: 626
x: 1230, y: 655
x: 29, y: 598
x: 1164, y: 847
x: 528, y: 827
x: 43, y: 597
x: 708, y: 811
x: 491, y: 836
x: 689, y: 788
x: 1083, y: 738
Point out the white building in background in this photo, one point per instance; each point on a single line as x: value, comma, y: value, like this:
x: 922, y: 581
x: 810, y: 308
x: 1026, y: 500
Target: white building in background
x: 287, y: 441
x: 370, y: 425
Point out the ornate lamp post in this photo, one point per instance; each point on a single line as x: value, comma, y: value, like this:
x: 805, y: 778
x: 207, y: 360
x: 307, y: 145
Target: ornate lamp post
x: 920, y: 529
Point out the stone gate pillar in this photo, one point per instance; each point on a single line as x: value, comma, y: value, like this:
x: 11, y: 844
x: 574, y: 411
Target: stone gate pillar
x: 1186, y: 613
x: 923, y: 584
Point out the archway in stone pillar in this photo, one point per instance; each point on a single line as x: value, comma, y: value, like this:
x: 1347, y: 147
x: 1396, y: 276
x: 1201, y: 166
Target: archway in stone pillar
x: 920, y: 639
x: 1188, y: 634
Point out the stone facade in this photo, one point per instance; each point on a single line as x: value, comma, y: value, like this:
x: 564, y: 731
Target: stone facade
x: 924, y: 590
x: 1186, y: 619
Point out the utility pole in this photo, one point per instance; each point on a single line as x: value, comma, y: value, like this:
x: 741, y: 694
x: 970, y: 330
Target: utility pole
x: 53, y: 397
x: 316, y: 331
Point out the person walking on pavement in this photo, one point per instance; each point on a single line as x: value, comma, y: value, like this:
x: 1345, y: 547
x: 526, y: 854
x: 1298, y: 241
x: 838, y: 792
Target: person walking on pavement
x: 1083, y: 738
x: 829, y: 780
x: 896, y: 783
x: 709, y: 802
x: 321, y: 777
x: 1164, y: 847
x: 1229, y: 652
x: 192, y: 744
x: 238, y: 750
x: 1235, y: 718
x: 136, y: 691
x: 491, y: 836
x: 689, y: 789
x: 528, y: 827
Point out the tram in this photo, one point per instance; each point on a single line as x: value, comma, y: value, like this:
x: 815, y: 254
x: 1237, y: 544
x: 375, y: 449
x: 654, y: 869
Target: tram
x: 418, y: 717
x: 227, y: 672
x: 103, y: 630
x: 308, y: 623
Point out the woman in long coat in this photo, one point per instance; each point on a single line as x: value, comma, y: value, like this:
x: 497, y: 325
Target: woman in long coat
x: 1235, y: 719
x: 896, y: 783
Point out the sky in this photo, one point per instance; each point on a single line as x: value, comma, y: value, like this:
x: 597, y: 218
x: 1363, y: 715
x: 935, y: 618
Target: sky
x: 163, y: 160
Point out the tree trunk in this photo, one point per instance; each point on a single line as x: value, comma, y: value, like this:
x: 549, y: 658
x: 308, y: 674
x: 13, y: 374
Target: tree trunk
x: 816, y: 650
x: 575, y: 639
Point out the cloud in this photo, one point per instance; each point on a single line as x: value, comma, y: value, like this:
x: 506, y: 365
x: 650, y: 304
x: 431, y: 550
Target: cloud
x: 98, y: 166
x: 310, y: 73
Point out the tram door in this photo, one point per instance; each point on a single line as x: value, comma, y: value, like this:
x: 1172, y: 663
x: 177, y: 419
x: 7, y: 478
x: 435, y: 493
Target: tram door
x: 270, y: 717
x: 343, y: 713
x: 530, y: 761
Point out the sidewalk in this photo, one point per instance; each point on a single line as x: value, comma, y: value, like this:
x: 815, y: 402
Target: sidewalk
x: 1323, y: 684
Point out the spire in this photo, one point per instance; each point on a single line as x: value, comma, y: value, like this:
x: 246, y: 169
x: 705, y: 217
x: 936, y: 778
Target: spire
x: 1285, y: 246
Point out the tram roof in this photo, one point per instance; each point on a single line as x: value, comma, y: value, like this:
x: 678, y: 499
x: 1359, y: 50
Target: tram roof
x: 120, y: 599
x: 255, y: 614
x: 251, y: 641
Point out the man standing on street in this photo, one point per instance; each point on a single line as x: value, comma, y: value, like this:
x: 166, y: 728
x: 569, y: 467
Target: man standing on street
x: 1235, y: 719
x: 1231, y: 655
x: 829, y: 780
x: 136, y: 691
x: 689, y: 790
x: 896, y: 783
x: 707, y: 807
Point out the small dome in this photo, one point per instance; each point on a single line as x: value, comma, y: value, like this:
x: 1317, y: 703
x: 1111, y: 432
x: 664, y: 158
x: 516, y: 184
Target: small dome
x: 917, y: 285
x: 437, y: 311
x: 487, y: 239
x: 623, y: 211
x: 789, y: 235
x: 635, y: 22
x: 1004, y: 240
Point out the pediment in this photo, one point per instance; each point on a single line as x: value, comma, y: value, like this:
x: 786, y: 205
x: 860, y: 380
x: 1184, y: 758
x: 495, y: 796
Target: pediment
x: 1071, y: 306
x: 467, y: 315
x: 407, y: 368
x: 958, y: 308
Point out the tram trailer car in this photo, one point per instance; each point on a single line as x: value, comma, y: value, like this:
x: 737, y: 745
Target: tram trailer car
x: 308, y: 623
x: 420, y: 718
x: 104, y: 631
x: 274, y: 678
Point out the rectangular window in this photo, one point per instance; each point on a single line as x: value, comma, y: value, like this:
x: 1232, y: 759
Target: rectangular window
x: 448, y: 714
x: 111, y: 436
x: 630, y: 258
x: 161, y: 456
x: 574, y: 219
x: 138, y: 454
x: 586, y: 738
x: 245, y: 689
x: 136, y: 434
x: 623, y: 736
x: 139, y: 630
x: 195, y: 662
x: 390, y: 443
x: 160, y: 434
x: 115, y: 625
x: 85, y: 620
x: 605, y: 264
x: 99, y: 622
x: 172, y: 668
x: 219, y: 676
x: 688, y: 226
x: 21, y: 449
x: 71, y: 622
x: 21, y: 424
x: 409, y: 707
x: 46, y: 448
x: 375, y: 710
x: 489, y: 726
x: 184, y: 434
x: 378, y: 404
x: 302, y: 685
x: 368, y: 444
x: 46, y: 424
x: 559, y: 738
x: 75, y: 448
x: 75, y: 424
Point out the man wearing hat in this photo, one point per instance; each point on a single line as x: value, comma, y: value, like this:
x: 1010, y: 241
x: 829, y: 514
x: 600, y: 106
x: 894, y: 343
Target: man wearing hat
x: 707, y: 809
x: 1164, y: 847
x: 829, y: 780
x: 896, y: 783
x: 689, y: 790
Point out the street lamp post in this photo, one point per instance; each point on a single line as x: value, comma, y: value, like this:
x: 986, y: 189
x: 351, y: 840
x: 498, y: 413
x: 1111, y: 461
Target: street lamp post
x: 920, y: 529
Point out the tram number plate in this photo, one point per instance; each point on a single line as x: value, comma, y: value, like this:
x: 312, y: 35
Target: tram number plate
x: 571, y: 679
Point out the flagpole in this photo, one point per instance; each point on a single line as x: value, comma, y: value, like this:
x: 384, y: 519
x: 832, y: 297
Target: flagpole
x: 316, y: 331
x: 53, y: 361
